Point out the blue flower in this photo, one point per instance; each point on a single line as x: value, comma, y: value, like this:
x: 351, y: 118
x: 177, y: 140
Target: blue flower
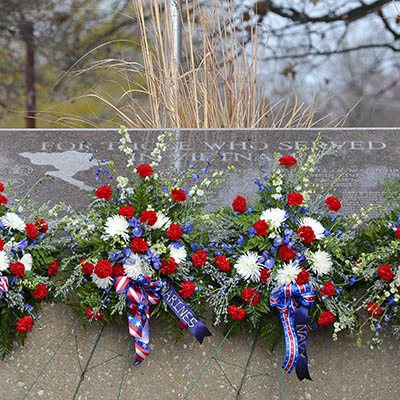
x: 251, y: 231
x: 278, y: 242
x: 196, y: 177
x: 177, y: 244
x: 333, y: 218
x: 194, y: 246
x: 340, y: 233
x: 186, y: 227
x: 327, y: 232
x: 303, y: 210
x: 352, y: 280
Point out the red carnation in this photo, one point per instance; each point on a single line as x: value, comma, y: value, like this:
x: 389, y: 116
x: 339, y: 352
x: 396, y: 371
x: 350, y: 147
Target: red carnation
x: 118, y: 270
x: 182, y: 325
x: 250, y: 296
x: 287, y: 161
x: 385, y: 272
x: 138, y: 245
x: 103, y: 269
x: 168, y: 267
x: 148, y: 216
x: 328, y: 289
x: 295, y: 199
x: 126, y: 211
x: 178, y: 195
x: 174, y: 232
x: 374, y: 309
x: 306, y: 234
x: 1, y: 244
x: 326, y: 318
x: 302, y: 277
x: 187, y: 289
x: 144, y: 170
x: 236, y: 313
x: 87, y: 267
x: 53, y: 268
x: 41, y: 225
x: 199, y: 258
x: 264, y: 275
x: 3, y: 199
x: 333, y: 203
x: 261, y: 227
x: 1, y: 187
x: 397, y: 233
x: 32, y: 231
x: 239, y: 205
x: 222, y: 263
x: 93, y: 315
x: 103, y: 192
x: 17, y: 269
x: 40, y: 292
x: 24, y: 324
x: 285, y: 253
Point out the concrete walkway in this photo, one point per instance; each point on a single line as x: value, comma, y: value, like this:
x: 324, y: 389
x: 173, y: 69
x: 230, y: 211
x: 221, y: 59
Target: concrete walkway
x: 339, y: 370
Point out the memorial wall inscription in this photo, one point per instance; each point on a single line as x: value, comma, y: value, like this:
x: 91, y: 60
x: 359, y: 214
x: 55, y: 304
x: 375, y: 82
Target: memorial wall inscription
x: 366, y: 156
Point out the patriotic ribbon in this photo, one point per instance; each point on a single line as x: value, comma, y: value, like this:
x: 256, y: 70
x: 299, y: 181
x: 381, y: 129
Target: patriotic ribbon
x: 140, y: 293
x: 293, y: 302
x: 3, y: 285
x: 184, y: 312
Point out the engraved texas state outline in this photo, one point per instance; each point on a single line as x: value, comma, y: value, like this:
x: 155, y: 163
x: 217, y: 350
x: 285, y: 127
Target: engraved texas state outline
x: 67, y: 164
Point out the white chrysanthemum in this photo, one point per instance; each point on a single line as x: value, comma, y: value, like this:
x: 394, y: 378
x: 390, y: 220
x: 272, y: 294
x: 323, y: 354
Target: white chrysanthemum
x: 274, y: 217
x: 178, y: 255
x: 117, y: 225
x: 287, y: 274
x: 321, y: 262
x: 135, y: 266
x: 163, y: 222
x: 27, y: 261
x: 4, y: 261
x: 13, y: 221
x: 102, y: 283
x: 248, y: 267
x: 316, y: 226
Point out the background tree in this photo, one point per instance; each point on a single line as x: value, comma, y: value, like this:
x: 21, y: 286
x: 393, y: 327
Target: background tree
x: 41, y: 39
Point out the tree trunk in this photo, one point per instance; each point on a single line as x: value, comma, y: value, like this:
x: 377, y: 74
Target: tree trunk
x: 30, y: 76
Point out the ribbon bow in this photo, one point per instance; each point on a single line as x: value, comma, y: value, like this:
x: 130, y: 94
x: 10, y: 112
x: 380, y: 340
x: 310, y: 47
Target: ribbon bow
x: 3, y: 285
x: 293, y: 301
x: 139, y: 295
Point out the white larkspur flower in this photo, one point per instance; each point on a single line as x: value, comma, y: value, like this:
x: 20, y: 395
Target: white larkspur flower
x: 274, y: 217
x: 102, y: 283
x: 163, y: 222
x: 13, y: 221
x: 27, y: 261
x: 117, y: 225
x: 178, y: 255
x: 4, y: 261
x: 316, y: 226
x: 248, y: 267
x: 135, y: 266
x: 287, y: 274
x: 321, y: 262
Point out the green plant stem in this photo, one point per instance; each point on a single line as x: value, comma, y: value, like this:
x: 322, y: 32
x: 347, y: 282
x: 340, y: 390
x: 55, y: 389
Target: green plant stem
x: 253, y: 347
x: 208, y: 362
x: 30, y: 190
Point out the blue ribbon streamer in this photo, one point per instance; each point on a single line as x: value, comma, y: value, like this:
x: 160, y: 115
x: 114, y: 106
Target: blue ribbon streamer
x: 184, y: 312
x: 293, y: 301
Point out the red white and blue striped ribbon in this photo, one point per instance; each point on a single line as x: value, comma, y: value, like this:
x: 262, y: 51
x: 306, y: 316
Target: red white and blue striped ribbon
x: 286, y: 299
x: 140, y: 294
x: 3, y: 285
